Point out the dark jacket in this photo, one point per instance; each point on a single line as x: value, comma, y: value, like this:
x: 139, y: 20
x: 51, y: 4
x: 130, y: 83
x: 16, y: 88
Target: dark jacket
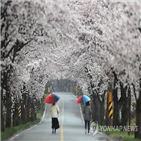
x: 87, y: 113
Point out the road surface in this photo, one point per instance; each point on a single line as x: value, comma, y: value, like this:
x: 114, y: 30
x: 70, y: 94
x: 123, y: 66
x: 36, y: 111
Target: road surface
x: 70, y: 120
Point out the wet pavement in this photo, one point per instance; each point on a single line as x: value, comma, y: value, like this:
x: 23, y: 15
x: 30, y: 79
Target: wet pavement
x: 71, y: 125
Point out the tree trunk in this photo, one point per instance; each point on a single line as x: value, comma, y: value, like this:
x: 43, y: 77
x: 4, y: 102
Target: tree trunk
x: 8, y: 112
x: 15, y: 115
x: 28, y: 109
x: 107, y: 111
x: 96, y: 109
x: 33, y: 114
x: 102, y: 113
x: 116, y: 121
x: 24, y: 105
x: 138, y: 115
x: 2, y: 116
x: 138, y: 118
x: 129, y: 107
x: 23, y: 114
x: 1, y: 95
x: 124, y: 105
x: 8, y: 96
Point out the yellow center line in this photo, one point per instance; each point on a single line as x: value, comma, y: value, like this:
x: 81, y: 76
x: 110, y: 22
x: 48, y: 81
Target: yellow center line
x: 62, y: 139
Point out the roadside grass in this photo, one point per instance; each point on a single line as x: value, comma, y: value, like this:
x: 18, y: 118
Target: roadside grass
x: 10, y: 131
x: 121, y: 136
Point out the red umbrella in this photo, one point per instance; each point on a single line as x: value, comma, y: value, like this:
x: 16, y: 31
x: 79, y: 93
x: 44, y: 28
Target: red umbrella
x: 52, y: 98
x: 83, y: 99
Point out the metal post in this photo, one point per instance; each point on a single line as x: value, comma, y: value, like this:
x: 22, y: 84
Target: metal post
x: 110, y: 105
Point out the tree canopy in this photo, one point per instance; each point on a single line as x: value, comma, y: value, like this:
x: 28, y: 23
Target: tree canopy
x: 44, y: 40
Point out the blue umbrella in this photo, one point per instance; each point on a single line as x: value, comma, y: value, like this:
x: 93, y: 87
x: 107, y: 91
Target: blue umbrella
x: 83, y: 99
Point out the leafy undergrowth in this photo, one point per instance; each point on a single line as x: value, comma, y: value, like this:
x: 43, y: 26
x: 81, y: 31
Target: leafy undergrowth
x: 121, y: 136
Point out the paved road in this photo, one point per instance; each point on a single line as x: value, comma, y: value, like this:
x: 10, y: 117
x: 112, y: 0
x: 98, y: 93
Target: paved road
x: 71, y: 125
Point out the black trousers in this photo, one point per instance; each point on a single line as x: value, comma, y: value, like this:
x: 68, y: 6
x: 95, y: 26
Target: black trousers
x: 87, y: 122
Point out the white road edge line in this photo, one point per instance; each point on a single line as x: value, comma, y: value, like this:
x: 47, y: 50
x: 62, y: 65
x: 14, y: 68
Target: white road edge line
x: 80, y: 111
x: 43, y: 115
x: 30, y: 127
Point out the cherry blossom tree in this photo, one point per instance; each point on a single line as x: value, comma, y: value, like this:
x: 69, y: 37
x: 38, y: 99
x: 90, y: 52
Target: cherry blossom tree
x: 115, y: 49
x: 89, y: 42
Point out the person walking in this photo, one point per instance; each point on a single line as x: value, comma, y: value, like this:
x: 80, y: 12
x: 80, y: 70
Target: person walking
x: 54, y: 109
x: 87, y: 116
